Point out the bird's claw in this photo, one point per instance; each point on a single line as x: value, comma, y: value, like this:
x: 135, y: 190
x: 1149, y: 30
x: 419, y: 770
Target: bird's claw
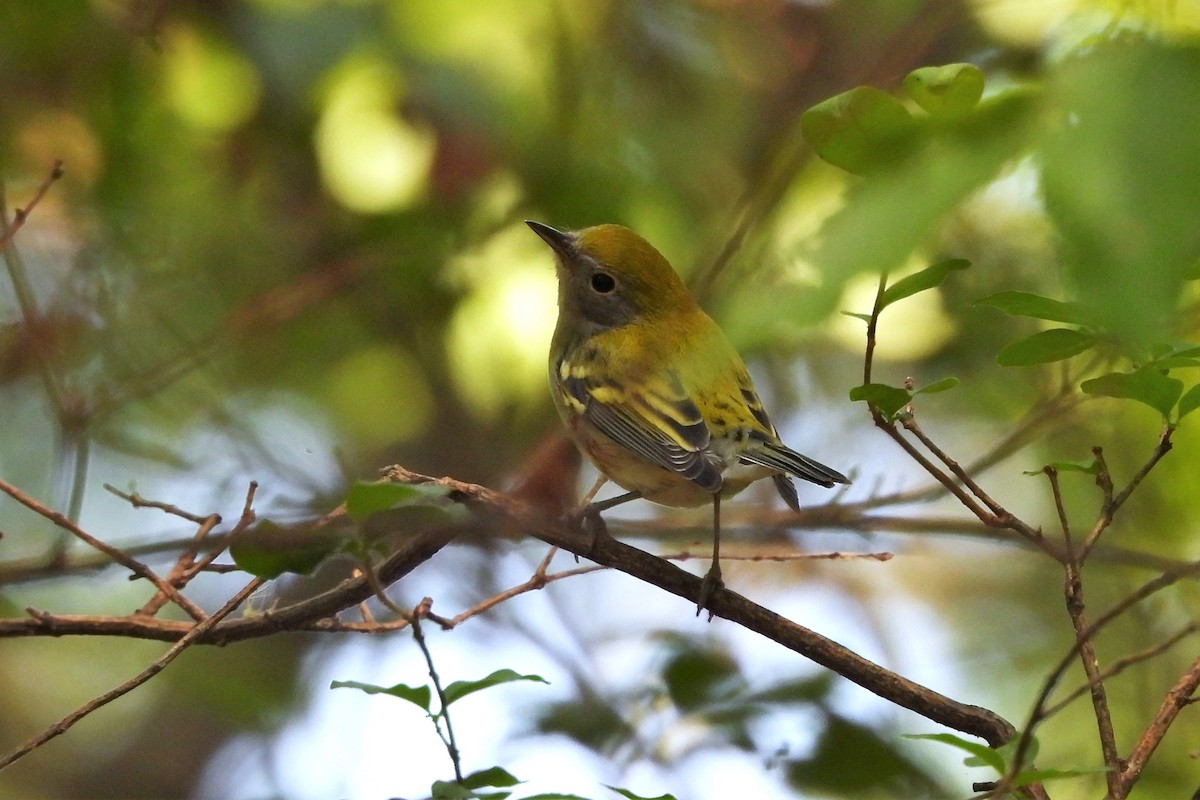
x: 708, y: 587
x: 589, y: 521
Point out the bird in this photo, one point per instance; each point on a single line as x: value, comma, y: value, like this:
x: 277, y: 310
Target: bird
x: 650, y: 389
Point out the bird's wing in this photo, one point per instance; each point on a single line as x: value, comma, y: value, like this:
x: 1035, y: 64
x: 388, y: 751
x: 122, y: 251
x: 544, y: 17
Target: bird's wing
x: 656, y: 420
x: 768, y: 451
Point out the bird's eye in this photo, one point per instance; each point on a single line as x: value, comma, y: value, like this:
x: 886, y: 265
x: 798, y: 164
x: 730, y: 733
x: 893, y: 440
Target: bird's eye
x: 603, y: 283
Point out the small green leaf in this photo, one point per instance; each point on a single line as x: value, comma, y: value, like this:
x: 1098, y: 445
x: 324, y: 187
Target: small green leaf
x: 1025, y: 304
x: 449, y: 790
x: 928, y: 278
x: 1055, y: 344
x: 986, y: 755
x: 554, y: 797
x: 1028, y: 776
x: 632, y: 796
x: 1190, y: 401
x: 491, y: 777
x: 269, y: 550
x: 801, y: 690
x: 864, y: 317
x: 859, y: 130
x: 365, y: 499
x: 1174, y: 356
x: 460, y: 689
x: 417, y: 695
x: 938, y: 386
x: 888, y: 399
x: 1148, y: 386
x: 950, y: 90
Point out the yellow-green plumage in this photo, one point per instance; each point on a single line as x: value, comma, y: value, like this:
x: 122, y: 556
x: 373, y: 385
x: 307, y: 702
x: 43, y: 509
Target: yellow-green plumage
x: 649, y: 387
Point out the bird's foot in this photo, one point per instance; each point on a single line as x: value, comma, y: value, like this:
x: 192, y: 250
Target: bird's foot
x: 708, y: 587
x: 588, y: 520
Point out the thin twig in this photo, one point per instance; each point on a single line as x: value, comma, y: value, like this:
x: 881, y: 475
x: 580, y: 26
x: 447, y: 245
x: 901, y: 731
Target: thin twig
x: 186, y: 566
x: 1037, y: 714
x: 1180, y: 695
x: 1122, y: 664
x: 538, y: 580
x: 20, y: 215
x: 23, y: 290
x: 421, y: 610
x: 1113, y: 504
x: 122, y: 558
x: 137, y: 501
x: 198, y: 630
x: 1076, y: 610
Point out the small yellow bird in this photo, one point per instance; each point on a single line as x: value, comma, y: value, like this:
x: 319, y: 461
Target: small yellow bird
x: 652, y: 391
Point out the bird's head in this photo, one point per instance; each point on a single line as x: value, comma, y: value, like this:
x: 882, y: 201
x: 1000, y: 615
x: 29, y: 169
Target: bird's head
x: 609, y: 276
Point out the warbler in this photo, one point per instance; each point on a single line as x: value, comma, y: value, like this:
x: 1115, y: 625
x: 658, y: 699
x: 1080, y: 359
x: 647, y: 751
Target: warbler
x: 650, y: 389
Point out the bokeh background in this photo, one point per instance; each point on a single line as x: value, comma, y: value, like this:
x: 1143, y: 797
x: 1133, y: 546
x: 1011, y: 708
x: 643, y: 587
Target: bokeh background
x: 288, y: 247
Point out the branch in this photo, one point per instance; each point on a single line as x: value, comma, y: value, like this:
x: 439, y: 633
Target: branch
x: 313, y: 614
x: 1039, y: 707
x: 125, y: 560
x: 1181, y: 695
x: 511, y: 514
x: 194, y: 633
x: 1104, y: 480
x: 1076, y: 610
x: 1121, y: 664
x: 22, y: 214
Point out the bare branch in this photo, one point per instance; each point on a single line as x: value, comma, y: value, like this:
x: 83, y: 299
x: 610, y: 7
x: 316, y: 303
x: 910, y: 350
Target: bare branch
x: 125, y: 560
x: 196, y: 631
x: 1120, y: 665
x: 1181, y: 695
x: 22, y: 214
x: 511, y: 514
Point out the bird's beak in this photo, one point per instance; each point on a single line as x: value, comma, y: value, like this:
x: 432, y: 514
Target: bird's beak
x: 561, y: 242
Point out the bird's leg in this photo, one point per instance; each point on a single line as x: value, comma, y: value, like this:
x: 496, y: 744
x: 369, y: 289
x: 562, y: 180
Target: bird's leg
x: 587, y: 516
x: 595, y: 490
x: 712, y: 579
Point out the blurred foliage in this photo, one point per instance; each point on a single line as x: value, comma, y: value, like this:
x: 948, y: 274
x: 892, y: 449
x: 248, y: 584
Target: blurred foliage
x: 288, y: 246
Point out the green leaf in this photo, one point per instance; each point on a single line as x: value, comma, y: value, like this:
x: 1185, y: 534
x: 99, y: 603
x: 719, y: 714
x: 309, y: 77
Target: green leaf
x: 1055, y: 344
x: 1148, y: 386
x: 1006, y: 752
x: 365, y: 499
x: 859, y: 130
x: 1026, y: 304
x: 460, y: 689
x: 632, y: 796
x: 1190, y: 401
x: 417, y: 695
x: 888, y: 399
x: 1167, y: 356
x: 449, y: 790
x: 864, y: 317
x: 928, y: 278
x: 554, y: 797
x: 986, y: 755
x: 938, y: 386
x: 1028, y: 776
x: 491, y: 777
x: 801, y: 690
x: 269, y: 550
x: 852, y: 760
x: 951, y: 90
x: 1117, y: 168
